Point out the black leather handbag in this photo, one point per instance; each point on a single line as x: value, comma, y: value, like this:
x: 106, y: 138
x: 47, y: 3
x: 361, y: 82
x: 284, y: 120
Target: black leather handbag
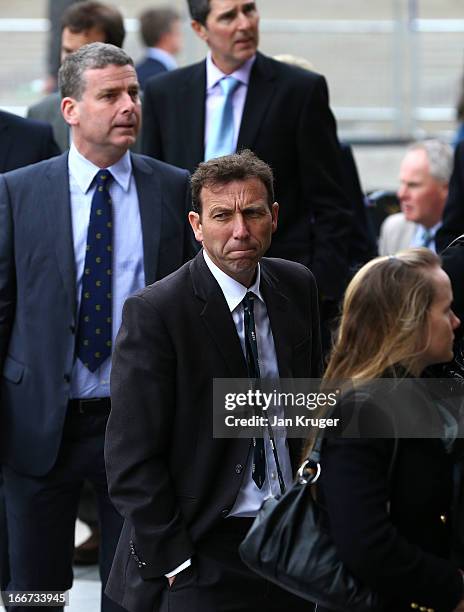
x: 288, y: 545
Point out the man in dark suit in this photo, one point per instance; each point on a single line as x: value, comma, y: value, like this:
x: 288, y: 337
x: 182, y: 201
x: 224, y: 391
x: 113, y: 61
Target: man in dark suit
x: 160, y: 30
x: 188, y: 498
x: 280, y: 112
x: 78, y: 234
x: 22, y: 142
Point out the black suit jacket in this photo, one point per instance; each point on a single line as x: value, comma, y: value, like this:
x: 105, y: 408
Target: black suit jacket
x: 168, y: 477
x: 24, y: 142
x: 287, y: 122
x: 38, y: 309
x: 453, y: 215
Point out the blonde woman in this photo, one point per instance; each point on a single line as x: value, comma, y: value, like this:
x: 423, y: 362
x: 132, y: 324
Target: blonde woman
x: 394, y: 531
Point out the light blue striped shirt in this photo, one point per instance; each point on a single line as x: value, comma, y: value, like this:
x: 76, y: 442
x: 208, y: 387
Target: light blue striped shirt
x: 128, y: 271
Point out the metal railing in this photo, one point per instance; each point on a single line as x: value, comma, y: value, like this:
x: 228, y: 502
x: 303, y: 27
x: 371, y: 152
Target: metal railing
x: 403, y: 111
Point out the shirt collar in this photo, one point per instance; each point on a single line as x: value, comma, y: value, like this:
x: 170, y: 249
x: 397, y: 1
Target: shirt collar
x: 214, y: 75
x: 162, y: 56
x: 83, y: 171
x: 233, y: 291
x: 433, y: 230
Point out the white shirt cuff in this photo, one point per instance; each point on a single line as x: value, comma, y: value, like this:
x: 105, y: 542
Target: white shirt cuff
x: 179, y: 569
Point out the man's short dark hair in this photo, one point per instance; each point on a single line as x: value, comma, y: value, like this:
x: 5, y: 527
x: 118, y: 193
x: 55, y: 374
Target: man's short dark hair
x: 199, y: 10
x: 89, y: 57
x: 236, y: 167
x: 155, y: 22
x: 88, y: 15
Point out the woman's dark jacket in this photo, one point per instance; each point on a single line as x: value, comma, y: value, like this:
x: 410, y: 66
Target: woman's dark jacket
x: 395, y: 535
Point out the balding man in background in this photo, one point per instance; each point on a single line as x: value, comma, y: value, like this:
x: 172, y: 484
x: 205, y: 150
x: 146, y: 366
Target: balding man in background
x: 424, y: 177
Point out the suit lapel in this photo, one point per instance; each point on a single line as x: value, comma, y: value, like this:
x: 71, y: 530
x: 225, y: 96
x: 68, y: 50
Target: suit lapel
x: 191, y: 116
x: 150, y: 205
x: 59, y: 216
x: 261, y: 89
x: 277, y: 306
x: 217, y: 317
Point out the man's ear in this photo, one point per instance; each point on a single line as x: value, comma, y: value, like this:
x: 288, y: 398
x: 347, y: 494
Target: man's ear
x: 275, y: 216
x: 200, y: 30
x: 69, y: 110
x: 195, y: 222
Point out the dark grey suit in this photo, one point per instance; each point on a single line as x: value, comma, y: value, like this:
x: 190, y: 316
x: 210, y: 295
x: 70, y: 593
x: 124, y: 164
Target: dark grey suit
x: 49, y: 110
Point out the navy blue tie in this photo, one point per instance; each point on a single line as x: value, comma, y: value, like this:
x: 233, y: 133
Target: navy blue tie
x: 95, y: 316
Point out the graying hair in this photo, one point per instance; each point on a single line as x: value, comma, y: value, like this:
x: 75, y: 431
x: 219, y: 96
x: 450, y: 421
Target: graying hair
x: 440, y: 156
x: 89, y: 57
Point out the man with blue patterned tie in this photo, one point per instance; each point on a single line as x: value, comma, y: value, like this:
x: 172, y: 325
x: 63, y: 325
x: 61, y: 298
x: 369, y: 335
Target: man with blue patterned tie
x: 78, y: 234
x: 188, y: 498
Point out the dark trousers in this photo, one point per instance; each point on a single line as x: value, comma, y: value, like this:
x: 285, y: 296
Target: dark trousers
x: 41, y: 512
x: 4, y: 569
x: 218, y: 581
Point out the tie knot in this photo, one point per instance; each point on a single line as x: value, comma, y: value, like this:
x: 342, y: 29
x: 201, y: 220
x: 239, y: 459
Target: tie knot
x: 229, y: 85
x: 427, y: 237
x: 103, y: 177
x: 248, y: 301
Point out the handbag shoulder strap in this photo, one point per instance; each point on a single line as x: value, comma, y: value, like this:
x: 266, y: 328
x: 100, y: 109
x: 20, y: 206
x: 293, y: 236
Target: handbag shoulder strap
x: 314, y: 457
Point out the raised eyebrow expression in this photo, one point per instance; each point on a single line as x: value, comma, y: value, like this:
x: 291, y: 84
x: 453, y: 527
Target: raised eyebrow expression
x: 232, y: 13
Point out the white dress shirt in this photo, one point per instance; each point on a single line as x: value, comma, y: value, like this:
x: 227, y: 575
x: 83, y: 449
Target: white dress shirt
x: 128, y: 270
x: 250, y: 498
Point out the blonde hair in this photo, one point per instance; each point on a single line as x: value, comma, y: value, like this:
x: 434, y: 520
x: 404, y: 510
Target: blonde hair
x: 384, y: 316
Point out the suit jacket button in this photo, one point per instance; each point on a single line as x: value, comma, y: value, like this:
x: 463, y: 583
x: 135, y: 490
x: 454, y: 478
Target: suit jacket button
x: 225, y: 512
x: 67, y: 378
x: 72, y: 329
x: 238, y: 468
